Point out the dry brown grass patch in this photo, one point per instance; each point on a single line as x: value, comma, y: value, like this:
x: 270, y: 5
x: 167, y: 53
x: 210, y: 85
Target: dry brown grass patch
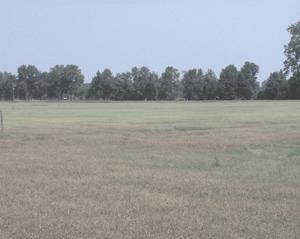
x: 139, y: 178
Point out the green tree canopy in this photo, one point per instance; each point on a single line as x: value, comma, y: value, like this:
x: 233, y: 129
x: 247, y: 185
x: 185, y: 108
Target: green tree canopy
x: 275, y: 87
x: 101, y: 85
x: 144, y: 83
x: 168, y: 84
x: 28, y: 79
x: 7, y: 82
x: 292, y: 63
x: 292, y: 50
x: 227, y: 85
x: 64, y: 81
x: 247, y: 84
x: 209, y: 88
x: 125, y: 86
x: 72, y: 79
x: 192, y: 84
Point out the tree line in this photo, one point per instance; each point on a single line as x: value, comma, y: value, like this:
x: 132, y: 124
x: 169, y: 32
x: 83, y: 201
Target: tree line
x: 67, y: 82
x: 30, y: 83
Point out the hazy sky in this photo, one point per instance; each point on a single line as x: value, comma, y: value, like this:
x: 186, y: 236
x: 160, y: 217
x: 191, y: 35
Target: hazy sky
x: 121, y: 34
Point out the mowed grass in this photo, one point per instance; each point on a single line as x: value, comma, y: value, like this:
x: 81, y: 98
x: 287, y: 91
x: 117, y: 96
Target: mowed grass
x: 150, y: 170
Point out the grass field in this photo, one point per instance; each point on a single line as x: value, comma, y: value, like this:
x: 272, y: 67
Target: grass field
x: 150, y: 170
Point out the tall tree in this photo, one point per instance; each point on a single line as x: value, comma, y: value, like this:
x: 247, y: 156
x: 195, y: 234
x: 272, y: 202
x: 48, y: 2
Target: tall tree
x: 29, y: 76
x: 71, y: 80
x: 199, y: 84
x: 292, y: 63
x: 209, y: 88
x: 116, y: 89
x: 192, y: 84
x: 64, y: 81
x: 53, y: 82
x: 292, y: 51
x: 21, y: 90
x: 42, y: 86
x: 7, y: 82
x: 125, y: 90
x: 144, y: 83
x: 294, y: 87
x: 227, y: 84
x: 275, y: 87
x: 83, y: 91
x: 189, y: 82
x: 168, y: 84
x: 2, y: 81
x: 247, y: 84
x: 101, y: 85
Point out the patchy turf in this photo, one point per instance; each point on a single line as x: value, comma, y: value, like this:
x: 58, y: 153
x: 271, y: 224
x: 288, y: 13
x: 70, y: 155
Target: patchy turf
x: 150, y: 170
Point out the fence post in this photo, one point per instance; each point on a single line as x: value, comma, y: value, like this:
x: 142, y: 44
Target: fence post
x: 1, y: 121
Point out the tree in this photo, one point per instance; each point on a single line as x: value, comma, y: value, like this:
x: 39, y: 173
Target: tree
x: 275, y: 87
x: 227, y: 85
x: 28, y: 76
x: 2, y: 81
x: 42, y: 86
x: 246, y: 81
x: 292, y: 50
x: 71, y: 79
x: 292, y: 63
x: 192, y: 83
x: 209, y: 88
x: 199, y: 84
x: 63, y: 80
x: 83, y: 91
x: 168, y: 84
x: 116, y: 89
x: 101, y: 85
x: 21, y: 90
x: 52, y: 83
x: 7, y: 81
x: 124, y: 86
x: 294, y: 87
x: 144, y: 83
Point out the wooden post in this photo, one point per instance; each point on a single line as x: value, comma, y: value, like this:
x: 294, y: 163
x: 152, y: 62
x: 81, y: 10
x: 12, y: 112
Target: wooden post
x: 1, y: 121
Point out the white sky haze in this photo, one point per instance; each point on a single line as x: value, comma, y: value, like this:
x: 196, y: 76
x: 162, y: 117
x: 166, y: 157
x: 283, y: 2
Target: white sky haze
x: 121, y: 34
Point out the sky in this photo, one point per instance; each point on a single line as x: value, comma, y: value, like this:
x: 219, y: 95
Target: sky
x: 121, y: 34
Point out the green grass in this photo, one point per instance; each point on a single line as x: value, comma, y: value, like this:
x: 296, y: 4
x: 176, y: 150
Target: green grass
x: 150, y: 169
